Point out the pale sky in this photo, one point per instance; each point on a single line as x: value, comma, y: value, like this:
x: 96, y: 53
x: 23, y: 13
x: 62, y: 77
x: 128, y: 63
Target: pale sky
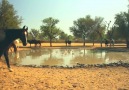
x: 66, y: 11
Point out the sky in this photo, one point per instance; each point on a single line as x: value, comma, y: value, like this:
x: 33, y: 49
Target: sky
x: 66, y: 11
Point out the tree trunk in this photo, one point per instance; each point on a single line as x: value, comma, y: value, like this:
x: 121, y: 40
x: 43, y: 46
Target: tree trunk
x: 101, y: 42
x: 50, y: 42
x: 110, y: 42
x: 93, y: 42
x: 127, y: 44
x: 84, y: 42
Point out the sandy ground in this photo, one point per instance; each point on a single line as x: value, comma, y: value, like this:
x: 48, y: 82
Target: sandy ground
x: 95, y: 78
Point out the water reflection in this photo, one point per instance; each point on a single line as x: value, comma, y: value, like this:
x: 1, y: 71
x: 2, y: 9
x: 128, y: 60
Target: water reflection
x: 52, y: 59
x: 88, y: 57
x: 63, y: 57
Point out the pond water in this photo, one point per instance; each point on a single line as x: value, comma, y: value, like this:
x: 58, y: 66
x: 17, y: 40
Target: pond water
x: 66, y: 57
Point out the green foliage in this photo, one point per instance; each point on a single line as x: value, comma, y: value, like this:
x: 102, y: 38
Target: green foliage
x: 88, y: 28
x: 49, y: 28
x: 98, y: 28
x: 34, y: 34
x: 122, y: 22
x: 8, y: 16
x: 81, y: 26
x: 70, y: 37
x: 63, y: 36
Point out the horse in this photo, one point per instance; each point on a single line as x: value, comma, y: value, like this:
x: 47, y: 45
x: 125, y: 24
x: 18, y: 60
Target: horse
x: 7, y: 37
x: 106, y: 43
x: 34, y: 42
x: 68, y: 42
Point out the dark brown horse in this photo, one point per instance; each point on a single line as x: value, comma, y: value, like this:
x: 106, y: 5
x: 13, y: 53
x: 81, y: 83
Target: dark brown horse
x: 34, y: 42
x: 6, y: 39
x: 68, y: 42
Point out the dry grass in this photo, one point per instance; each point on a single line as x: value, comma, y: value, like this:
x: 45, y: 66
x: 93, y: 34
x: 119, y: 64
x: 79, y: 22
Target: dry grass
x: 76, y: 45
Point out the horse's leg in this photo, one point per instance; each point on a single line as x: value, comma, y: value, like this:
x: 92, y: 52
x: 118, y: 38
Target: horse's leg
x: 14, y: 46
x: 7, y: 60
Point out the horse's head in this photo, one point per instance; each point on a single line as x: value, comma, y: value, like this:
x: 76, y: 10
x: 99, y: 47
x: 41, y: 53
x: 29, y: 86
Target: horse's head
x: 24, y: 35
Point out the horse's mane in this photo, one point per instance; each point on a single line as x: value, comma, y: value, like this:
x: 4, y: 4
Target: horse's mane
x: 12, y: 29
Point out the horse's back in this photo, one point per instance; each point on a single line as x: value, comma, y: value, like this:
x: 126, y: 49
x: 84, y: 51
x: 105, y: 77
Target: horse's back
x: 2, y: 35
x: 34, y: 41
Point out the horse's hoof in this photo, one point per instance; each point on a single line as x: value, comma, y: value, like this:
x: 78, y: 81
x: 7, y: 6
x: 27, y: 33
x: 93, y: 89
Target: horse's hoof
x: 10, y: 70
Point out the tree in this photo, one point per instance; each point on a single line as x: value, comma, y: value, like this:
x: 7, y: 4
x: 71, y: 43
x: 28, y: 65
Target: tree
x: 87, y: 28
x: 81, y: 27
x: 49, y: 29
x: 111, y: 33
x: 63, y: 36
x: 8, y: 16
x: 98, y: 29
x: 122, y: 22
x: 70, y: 37
x: 34, y: 34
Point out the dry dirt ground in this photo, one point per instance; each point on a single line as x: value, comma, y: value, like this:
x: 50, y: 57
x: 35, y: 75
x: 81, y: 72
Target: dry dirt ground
x: 95, y: 78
